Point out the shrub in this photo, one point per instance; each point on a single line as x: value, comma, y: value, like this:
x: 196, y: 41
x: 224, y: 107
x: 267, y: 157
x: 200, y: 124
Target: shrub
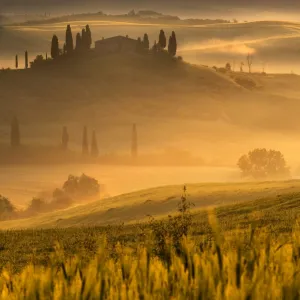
x: 83, y: 186
x: 7, y: 209
x: 37, y: 205
x: 172, y: 231
x: 60, y: 200
x: 228, y: 67
x: 246, y: 82
x: 263, y: 164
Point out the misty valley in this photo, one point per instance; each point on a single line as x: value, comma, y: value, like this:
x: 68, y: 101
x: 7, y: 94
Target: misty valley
x: 148, y: 154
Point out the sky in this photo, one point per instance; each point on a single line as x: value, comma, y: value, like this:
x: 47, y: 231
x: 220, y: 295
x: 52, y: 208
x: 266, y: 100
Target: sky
x: 242, y: 10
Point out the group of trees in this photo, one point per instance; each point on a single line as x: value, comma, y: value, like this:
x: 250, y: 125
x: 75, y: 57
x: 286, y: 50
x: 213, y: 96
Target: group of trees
x: 162, y: 43
x: 87, y: 148
x: 74, y: 190
x: 83, y: 42
x: 144, y: 44
x: 26, y: 60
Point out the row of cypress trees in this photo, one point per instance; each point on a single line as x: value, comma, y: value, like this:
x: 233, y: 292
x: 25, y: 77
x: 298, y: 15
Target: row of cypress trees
x: 161, y: 45
x: 26, y: 61
x: 83, y: 42
x: 93, y: 150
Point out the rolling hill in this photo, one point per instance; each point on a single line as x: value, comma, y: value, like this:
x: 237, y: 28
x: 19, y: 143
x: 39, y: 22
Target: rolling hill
x: 232, y: 198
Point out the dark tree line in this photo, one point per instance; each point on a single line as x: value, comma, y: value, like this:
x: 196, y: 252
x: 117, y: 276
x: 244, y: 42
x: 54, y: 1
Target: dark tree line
x: 85, y: 142
x: 92, y: 150
x: 161, y: 45
x: 83, y: 42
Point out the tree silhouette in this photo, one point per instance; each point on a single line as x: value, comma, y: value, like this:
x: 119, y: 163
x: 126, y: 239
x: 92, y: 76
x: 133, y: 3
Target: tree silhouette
x: 64, y: 49
x: 249, y: 61
x: 88, y: 37
x: 263, y: 164
x: 65, y: 138
x: 69, y: 40
x: 139, y: 45
x: 146, y: 42
x: 172, y: 48
x: 134, y: 145
x: 154, y: 47
x: 84, y: 39
x: 26, y: 59
x: 78, y: 42
x: 94, y: 145
x: 162, y: 40
x: 15, y: 137
x: 85, y: 143
x: 17, y: 62
x: 54, y: 47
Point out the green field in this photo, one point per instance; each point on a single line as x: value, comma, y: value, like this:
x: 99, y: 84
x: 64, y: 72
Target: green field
x: 241, y: 237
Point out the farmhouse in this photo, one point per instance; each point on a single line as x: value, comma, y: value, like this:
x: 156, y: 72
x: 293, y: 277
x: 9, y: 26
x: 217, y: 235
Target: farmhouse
x: 116, y: 44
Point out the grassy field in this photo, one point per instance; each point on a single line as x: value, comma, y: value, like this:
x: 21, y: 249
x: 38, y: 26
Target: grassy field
x: 231, y: 252
x: 271, y: 207
x: 136, y: 206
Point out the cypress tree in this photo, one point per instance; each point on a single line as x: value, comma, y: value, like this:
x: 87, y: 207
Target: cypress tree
x: 94, y: 146
x: 139, y: 45
x: 65, y: 138
x: 84, y: 39
x: 15, y: 137
x: 54, y: 47
x: 162, y: 40
x: 154, y: 48
x: 64, y: 49
x: 88, y: 37
x: 17, y: 62
x: 146, y: 42
x: 78, y: 42
x: 26, y: 59
x: 85, y: 144
x: 172, y: 48
x: 134, y: 145
x: 69, y: 40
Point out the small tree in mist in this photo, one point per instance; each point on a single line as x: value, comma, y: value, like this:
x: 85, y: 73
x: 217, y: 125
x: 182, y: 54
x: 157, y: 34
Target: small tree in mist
x: 94, y: 145
x: 69, y: 40
x: 134, y: 142
x: 139, y: 45
x: 17, y: 62
x: 15, y: 136
x: 54, y: 47
x: 154, y: 47
x: 83, y: 38
x: 263, y: 164
x: 7, y: 209
x: 162, y: 40
x: 228, y: 67
x: 88, y: 36
x: 65, y: 138
x: 26, y: 60
x: 146, y: 42
x: 85, y: 143
x: 241, y: 67
x: 172, y: 47
x: 249, y: 61
x: 78, y: 46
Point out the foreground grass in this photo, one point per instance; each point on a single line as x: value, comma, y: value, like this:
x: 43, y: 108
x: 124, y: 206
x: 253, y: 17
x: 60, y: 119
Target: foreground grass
x: 254, y: 269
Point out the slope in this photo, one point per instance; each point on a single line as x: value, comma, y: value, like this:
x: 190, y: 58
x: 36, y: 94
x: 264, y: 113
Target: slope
x: 135, y: 207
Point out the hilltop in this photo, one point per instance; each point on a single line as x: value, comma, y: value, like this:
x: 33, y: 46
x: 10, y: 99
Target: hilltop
x: 177, y: 104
